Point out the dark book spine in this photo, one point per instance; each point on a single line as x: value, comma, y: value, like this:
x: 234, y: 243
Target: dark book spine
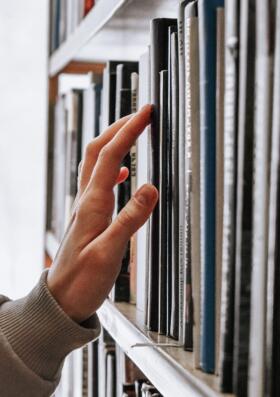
x: 190, y: 12
x: 243, y: 255
x: 170, y: 237
x: 174, y: 73
x: 163, y: 203
x: 159, y: 60
x: 229, y: 207
x: 207, y: 69
x: 121, y: 289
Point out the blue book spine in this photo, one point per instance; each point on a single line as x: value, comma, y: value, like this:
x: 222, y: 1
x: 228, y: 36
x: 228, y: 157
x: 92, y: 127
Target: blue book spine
x: 207, y: 70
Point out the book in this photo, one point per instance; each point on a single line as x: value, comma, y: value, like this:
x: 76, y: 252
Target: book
x: 91, y: 110
x: 73, y: 149
x: 272, y: 346
x: 133, y: 188
x: 171, y: 238
x: 243, y: 246
x: 163, y: 202
x: 207, y: 72
x: 174, y: 142
x: 142, y: 178
x: 191, y: 122
x: 110, y: 374
x: 58, y: 189
x: 88, y: 4
x: 159, y: 59
x: 229, y: 193
x: 181, y: 167
x: 121, y: 290
x: 109, y: 94
x: 219, y: 175
x: 191, y: 29
x: 261, y: 153
x: 93, y: 369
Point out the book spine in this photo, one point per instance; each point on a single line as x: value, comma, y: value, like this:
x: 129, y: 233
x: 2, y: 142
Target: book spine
x: 195, y: 185
x: 219, y: 174
x: 243, y: 256
x: 163, y: 207
x: 174, y: 319
x: 190, y: 12
x: 229, y: 195
x: 207, y: 72
x: 142, y: 178
x: 272, y: 363
x: 159, y: 36
x: 181, y: 165
x: 133, y: 186
x: 260, y: 198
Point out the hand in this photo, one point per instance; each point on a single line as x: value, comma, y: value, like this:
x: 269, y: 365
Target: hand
x: 89, y: 259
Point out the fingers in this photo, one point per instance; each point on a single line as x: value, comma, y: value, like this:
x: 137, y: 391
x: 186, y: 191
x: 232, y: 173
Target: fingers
x: 131, y: 217
x: 108, y: 164
x: 93, y: 150
x: 123, y: 175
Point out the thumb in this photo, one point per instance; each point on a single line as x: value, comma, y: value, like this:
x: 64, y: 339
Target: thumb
x: 132, y: 216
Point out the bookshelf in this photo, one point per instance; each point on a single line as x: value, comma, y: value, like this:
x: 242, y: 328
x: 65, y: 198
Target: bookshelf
x: 126, y: 19
x: 119, y: 29
x: 168, y: 367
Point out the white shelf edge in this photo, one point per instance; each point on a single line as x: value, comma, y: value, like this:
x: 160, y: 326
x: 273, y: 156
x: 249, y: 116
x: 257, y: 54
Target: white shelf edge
x: 51, y: 244
x: 161, y: 369
x: 102, y: 12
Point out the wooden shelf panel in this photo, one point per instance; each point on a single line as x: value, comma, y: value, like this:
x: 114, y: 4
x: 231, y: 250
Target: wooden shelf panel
x: 168, y: 367
x: 113, y: 29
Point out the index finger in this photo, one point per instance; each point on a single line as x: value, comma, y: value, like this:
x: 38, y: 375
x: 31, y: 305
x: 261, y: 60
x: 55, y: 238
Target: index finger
x: 109, y: 161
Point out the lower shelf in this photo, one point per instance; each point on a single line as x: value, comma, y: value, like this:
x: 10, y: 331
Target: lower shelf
x: 169, y: 368
x: 167, y: 365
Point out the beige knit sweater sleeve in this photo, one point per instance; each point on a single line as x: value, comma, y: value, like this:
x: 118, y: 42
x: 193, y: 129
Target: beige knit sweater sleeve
x: 35, y: 337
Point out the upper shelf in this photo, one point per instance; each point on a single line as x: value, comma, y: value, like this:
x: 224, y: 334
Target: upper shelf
x: 113, y: 29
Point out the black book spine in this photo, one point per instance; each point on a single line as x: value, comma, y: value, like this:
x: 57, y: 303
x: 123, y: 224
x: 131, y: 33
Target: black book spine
x: 229, y: 208
x: 159, y: 61
x: 121, y: 290
x: 170, y: 248
x: 243, y: 251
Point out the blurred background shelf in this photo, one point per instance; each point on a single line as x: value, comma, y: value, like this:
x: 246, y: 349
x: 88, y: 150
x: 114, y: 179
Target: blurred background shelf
x: 115, y: 29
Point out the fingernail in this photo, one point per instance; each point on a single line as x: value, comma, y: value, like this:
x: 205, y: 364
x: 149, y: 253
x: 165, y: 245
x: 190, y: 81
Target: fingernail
x: 145, y: 195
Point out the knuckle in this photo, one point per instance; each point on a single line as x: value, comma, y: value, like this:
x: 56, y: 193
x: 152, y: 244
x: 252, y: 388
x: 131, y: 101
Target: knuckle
x: 105, y: 152
x: 91, y: 148
x: 125, y: 217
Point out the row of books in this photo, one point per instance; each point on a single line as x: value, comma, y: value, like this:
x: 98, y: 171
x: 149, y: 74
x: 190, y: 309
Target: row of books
x: 65, y: 16
x: 204, y: 268
x: 102, y: 369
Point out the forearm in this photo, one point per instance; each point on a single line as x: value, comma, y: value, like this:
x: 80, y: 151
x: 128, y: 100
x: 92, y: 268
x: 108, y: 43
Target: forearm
x: 35, y: 337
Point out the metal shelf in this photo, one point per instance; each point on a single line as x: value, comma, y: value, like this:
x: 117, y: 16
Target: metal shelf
x: 113, y: 29
x: 167, y: 365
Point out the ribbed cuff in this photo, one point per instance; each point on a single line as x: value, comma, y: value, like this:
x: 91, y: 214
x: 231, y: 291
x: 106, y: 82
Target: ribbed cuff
x: 41, y: 333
